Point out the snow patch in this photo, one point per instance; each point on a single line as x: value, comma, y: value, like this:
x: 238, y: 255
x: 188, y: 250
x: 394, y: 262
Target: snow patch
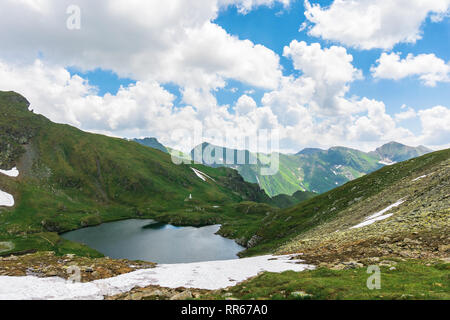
x: 380, y: 215
x: 6, y: 200
x: 10, y: 173
x: 387, y: 162
x: 421, y: 177
x: 211, y: 275
x: 202, y: 175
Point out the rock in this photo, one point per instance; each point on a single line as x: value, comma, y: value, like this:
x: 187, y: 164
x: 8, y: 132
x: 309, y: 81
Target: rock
x: 196, y: 295
x: 301, y: 294
x: 136, y: 296
x: 352, y: 265
x: 444, y: 248
x: 241, y: 241
x: 388, y: 263
x: 253, y: 241
x: 182, y: 295
x: 153, y: 293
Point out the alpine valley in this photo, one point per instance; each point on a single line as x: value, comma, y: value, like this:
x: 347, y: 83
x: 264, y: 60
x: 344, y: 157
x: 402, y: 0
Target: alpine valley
x: 309, y: 232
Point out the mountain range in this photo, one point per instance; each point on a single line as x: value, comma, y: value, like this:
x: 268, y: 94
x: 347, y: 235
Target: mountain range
x: 312, y: 170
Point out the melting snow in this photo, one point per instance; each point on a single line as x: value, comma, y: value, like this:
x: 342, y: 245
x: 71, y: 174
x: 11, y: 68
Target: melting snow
x: 380, y: 215
x: 6, y: 200
x: 10, y: 173
x: 387, y: 162
x: 421, y: 177
x: 211, y: 275
x: 201, y: 175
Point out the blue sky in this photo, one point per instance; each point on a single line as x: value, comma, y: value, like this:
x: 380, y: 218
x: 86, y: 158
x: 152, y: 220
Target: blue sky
x: 276, y: 26
x: 381, y: 73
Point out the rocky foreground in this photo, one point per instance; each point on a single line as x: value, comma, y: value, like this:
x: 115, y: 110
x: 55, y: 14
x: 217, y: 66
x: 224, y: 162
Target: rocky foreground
x: 47, y: 264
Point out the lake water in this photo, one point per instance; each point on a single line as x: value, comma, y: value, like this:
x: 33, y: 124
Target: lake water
x: 149, y: 240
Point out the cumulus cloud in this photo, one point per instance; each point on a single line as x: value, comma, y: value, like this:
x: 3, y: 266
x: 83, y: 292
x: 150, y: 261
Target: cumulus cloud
x: 427, y: 67
x: 435, y: 126
x: 368, y: 24
x: 410, y: 113
x: 63, y: 98
x: 328, y: 72
x: 245, y: 105
x: 175, y: 42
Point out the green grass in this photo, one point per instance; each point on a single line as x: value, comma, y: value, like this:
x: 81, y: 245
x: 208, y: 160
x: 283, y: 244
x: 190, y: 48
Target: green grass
x: 410, y: 280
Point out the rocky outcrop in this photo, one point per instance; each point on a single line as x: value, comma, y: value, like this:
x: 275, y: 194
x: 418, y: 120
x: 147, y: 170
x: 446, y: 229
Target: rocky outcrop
x: 48, y: 264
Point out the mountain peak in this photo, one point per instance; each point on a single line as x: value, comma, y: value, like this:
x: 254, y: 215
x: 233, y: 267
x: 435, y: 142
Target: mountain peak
x: 14, y: 98
x: 152, y: 143
x: 398, y: 152
x: 309, y: 151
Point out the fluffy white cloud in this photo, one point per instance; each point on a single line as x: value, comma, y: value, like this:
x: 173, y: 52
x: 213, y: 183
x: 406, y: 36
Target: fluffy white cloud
x: 410, y: 113
x: 327, y: 72
x: 429, y: 68
x: 435, y: 126
x: 142, y: 108
x: 368, y: 24
x: 245, y: 105
x: 175, y: 42
x: 377, y: 125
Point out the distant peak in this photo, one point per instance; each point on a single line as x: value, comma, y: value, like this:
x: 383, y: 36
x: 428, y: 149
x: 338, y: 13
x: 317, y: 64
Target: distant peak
x: 309, y: 151
x: 394, y: 143
x: 151, y: 143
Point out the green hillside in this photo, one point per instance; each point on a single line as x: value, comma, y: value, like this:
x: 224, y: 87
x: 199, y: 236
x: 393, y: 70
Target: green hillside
x: 422, y: 183
x: 71, y: 179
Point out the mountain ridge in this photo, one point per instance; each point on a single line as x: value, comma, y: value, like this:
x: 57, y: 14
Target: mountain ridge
x: 312, y: 169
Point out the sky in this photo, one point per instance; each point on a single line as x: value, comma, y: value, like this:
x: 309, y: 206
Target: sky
x: 316, y: 73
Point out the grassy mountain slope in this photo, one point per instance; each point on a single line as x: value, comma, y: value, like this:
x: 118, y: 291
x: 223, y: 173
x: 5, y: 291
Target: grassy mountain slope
x: 284, y: 201
x: 328, y: 218
x: 71, y: 179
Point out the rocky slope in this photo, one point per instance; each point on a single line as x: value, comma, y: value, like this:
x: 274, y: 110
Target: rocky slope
x: 402, y: 209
